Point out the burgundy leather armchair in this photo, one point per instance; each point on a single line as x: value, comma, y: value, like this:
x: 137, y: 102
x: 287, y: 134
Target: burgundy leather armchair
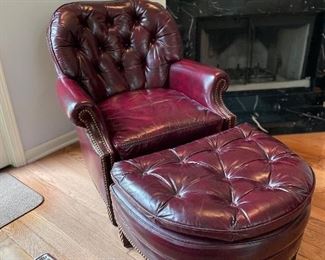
x: 123, y: 83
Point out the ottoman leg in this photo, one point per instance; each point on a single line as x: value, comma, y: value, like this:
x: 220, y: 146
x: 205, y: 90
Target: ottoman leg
x: 125, y: 241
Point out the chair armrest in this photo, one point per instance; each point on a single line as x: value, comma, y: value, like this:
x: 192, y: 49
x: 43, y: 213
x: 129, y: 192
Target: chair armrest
x: 74, y: 99
x: 83, y: 112
x: 204, y: 84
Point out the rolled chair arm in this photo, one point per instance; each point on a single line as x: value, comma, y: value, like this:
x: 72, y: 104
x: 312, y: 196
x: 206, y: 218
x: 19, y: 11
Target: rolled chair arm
x: 204, y: 84
x: 74, y: 100
x: 83, y: 112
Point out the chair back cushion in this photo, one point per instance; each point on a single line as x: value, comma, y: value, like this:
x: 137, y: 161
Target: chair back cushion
x: 114, y: 46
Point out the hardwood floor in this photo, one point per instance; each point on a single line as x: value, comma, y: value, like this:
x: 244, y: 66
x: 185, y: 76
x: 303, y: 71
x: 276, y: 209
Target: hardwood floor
x: 72, y: 222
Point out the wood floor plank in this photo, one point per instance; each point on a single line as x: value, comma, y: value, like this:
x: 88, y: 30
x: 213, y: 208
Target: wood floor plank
x: 81, y: 224
x: 72, y: 222
x: 69, y: 181
x: 318, y: 213
x: 311, y: 252
x: 28, y: 239
x: 9, y: 250
x: 300, y: 257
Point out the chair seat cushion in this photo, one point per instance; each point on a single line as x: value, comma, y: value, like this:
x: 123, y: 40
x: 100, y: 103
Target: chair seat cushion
x: 145, y: 121
x: 238, y: 184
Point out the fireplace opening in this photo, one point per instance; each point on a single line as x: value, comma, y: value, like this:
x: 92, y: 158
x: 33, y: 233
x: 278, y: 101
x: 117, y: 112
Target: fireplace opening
x: 258, y: 52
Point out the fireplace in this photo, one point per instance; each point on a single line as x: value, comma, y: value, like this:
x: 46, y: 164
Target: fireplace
x: 273, y: 51
x: 254, y: 50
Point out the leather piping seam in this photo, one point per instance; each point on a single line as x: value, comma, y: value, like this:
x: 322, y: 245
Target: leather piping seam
x: 129, y: 211
x: 283, y: 249
x: 101, y: 154
x: 49, y: 40
x: 127, y: 208
x: 304, y: 204
x: 168, y: 132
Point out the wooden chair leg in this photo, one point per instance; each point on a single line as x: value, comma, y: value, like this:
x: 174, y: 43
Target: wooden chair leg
x: 125, y: 241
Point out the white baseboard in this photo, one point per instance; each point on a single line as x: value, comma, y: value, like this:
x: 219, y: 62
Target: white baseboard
x: 51, y: 146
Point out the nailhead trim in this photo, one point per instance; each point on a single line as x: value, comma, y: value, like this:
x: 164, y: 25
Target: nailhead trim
x: 221, y: 87
x: 102, y: 156
x: 123, y: 236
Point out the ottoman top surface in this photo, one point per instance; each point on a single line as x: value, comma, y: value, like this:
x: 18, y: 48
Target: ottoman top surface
x: 237, y: 184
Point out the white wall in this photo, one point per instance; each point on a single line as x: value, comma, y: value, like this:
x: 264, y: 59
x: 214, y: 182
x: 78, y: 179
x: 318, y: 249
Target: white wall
x: 28, y: 69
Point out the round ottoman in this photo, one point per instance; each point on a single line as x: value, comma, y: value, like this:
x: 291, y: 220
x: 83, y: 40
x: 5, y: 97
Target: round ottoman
x: 239, y: 194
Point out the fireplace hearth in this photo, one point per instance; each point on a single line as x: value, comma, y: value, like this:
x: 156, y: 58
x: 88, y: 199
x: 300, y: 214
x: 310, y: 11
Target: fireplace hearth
x: 273, y: 52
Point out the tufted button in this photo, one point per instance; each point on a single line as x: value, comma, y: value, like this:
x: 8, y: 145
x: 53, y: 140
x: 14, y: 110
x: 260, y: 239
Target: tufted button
x: 119, y: 66
x: 77, y: 46
x: 127, y: 44
x: 109, y: 21
x: 234, y: 204
x: 98, y: 69
x: 83, y: 22
x: 137, y: 20
x: 272, y: 185
x: 153, y: 40
x: 177, y: 195
x: 273, y: 158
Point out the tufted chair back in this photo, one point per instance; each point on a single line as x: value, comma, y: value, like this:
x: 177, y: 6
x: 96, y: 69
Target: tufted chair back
x: 115, y: 46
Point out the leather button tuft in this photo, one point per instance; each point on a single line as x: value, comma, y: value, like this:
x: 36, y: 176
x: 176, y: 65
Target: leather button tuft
x: 109, y: 21
x: 78, y: 47
x: 119, y: 66
x: 233, y: 204
x: 101, y: 48
x: 137, y: 22
x: 83, y: 22
x: 127, y: 44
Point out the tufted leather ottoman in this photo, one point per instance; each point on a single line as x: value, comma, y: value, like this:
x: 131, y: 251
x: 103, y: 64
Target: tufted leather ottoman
x: 239, y: 194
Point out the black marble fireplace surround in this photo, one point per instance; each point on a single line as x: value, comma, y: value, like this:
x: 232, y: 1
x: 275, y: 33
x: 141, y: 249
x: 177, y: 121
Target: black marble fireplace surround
x: 274, y: 52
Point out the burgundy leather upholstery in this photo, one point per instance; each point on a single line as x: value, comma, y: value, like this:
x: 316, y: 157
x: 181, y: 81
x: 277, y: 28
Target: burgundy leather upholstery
x: 155, y: 242
x: 209, y: 82
x: 157, y: 119
x: 234, y: 185
x: 239, y: 194
x: 112, y: 47
x: 114, y: 57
